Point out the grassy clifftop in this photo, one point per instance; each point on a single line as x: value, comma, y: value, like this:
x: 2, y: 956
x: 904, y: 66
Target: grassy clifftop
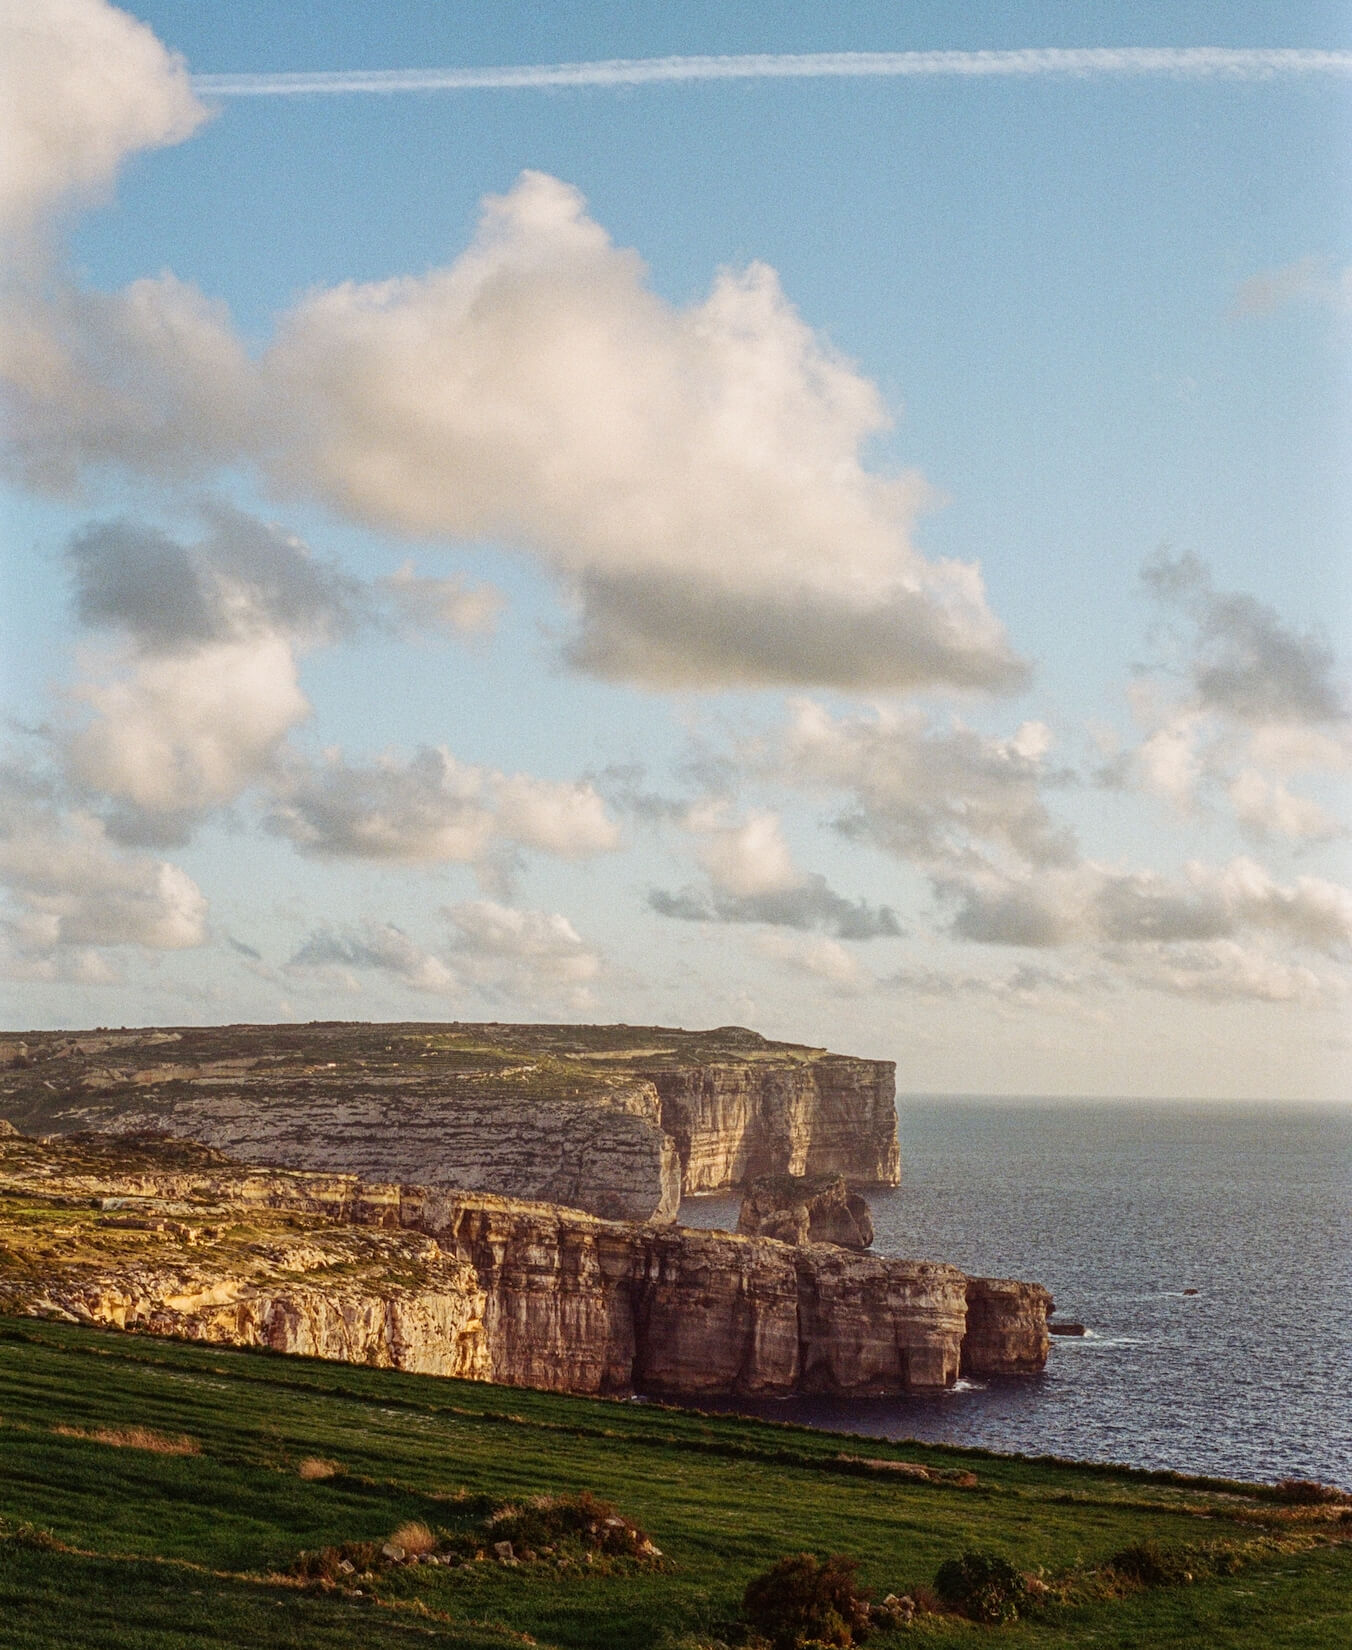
x: 158, y: 1494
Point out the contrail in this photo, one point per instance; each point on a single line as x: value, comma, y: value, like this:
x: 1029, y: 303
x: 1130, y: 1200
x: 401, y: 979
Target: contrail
x: 1180, y: 62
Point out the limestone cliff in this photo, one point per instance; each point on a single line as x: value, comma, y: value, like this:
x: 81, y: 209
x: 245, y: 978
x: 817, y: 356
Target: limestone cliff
x: 806, y: 1209
x: 616, y: 1120
x: 1007, y: 1330
x: 472, y: 1284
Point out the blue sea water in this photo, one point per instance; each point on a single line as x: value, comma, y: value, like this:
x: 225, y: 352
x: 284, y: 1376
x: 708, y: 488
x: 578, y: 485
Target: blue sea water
x: 1119, y: 1207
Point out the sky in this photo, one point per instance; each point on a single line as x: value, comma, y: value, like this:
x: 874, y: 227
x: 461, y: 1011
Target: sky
x: 853, y: 548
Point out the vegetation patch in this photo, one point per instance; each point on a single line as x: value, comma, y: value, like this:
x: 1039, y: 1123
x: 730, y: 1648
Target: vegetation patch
x: 984, y: 1586
x: 158, y: 1443
x: 124, y: 1548
x: 805, y: 1600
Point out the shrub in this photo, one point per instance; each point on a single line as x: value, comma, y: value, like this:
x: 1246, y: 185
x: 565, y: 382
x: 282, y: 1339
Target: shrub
x: 1152, y: 1564
x: 1304, y: 1492
x: 805, y: 1600
x: 983, y: 1586
x: 337, y: 1564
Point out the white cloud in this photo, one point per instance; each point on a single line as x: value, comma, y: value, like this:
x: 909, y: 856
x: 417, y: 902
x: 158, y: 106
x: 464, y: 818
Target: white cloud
x: 152, y: 378
x: 496, y: 952
x: 520, y: 953
x: 1266, y: 807
x: 752, y: 879
x: 932, y: 797
x: 816, y: 956
x: 1263, y: 702
x: 71, y: 890
x: 1090, y: 903
x: 181, y: 733
x: 433, y: 808
x: 1228, y: 971
x: 381, y: 946
x: 82, y: 86
x: 744, y: 859
x: 694, y: 474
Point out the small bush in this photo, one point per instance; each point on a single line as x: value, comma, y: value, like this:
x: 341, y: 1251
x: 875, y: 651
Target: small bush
x: 1304, y: 1492
x: 983, y: 1586
x: 1152, y: 1564
x: 804, y: 1600
x: 337, y: 1564
x: 312, y: 1469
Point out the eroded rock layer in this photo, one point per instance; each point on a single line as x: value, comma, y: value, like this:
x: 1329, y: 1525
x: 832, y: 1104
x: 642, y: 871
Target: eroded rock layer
x: 174, y: 1238
x: 616, y: 1120
x: 806, y: 1209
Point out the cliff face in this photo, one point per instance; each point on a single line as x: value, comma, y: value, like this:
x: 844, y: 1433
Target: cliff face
x: 828, y: 1115
x: 471, y: 1284
x: 806, y: 1209
x: 616, y: 1120
x: 1007, y: 1330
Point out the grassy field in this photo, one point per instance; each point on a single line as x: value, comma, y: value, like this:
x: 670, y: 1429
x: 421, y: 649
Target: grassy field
x: 107, y: 1542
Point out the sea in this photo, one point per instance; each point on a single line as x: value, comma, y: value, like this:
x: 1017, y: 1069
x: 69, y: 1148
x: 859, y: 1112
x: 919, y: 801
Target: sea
x: 1206, y: 1247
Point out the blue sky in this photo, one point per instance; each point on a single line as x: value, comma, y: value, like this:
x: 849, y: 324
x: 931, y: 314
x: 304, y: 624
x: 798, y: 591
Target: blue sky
x: 569, y: 607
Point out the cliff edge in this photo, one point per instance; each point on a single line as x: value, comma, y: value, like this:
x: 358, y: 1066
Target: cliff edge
x: 619, y: 1121
x: 173, y: 1238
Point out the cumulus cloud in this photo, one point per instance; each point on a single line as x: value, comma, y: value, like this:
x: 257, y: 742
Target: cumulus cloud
x: 816, y: 956
x: 380, y: 946
x: 1089, y: 903
x: 183, y: 733
x: 245, y: 578
x: 1247, y: 663
x: 152, y: 379
x: 524, y: 955
x: 497, y: 952
x: 70, y: 890
x: 693, y: 476
x: 753, y: 879
x: 432, y: 808
x: 812, y: 903
x: 931, y: 796
x: 82, y: 87
x: 1262, y: 702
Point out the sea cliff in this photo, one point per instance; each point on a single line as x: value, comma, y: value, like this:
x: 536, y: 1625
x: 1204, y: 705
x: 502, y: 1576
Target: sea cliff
x: 174, y: 1238
x: 619, y: 1121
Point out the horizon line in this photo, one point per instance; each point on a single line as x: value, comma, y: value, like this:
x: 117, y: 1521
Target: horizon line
x: 1178, y: 62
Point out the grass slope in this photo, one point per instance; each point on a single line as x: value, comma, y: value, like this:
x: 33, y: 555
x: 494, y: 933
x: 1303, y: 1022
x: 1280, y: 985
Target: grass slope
x: 106, y: 1546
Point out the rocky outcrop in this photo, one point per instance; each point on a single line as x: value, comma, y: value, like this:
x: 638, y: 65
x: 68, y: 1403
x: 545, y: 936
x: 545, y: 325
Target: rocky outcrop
x: 789, y: 1112
x: 1006, y: 1330
x: 806, y: 1209
x: 616, y: 1120
x: 472, y: 1284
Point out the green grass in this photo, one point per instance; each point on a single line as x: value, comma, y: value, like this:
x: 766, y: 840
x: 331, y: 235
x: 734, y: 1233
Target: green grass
x: 149, y: 1550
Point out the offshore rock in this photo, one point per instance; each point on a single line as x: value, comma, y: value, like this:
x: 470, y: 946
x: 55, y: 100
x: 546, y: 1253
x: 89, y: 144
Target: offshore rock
x: 806, y: 1209
x: 616, y: 1120
x: 174, y: 1238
